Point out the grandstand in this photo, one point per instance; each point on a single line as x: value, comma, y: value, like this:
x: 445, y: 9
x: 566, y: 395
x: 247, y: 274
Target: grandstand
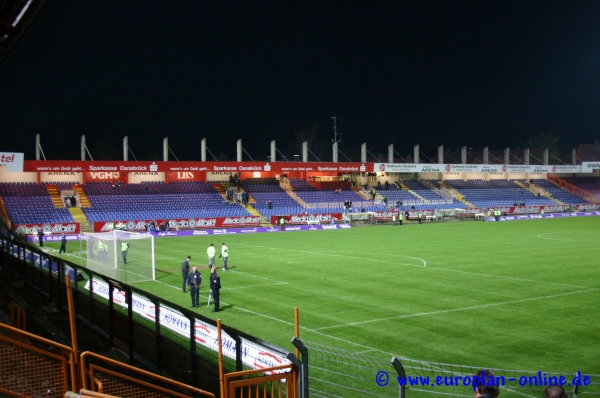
x: 557, y: 192
x: 485, y: 194
x: 30, y: 203
x: 157, y: 201
x: 268, y: 190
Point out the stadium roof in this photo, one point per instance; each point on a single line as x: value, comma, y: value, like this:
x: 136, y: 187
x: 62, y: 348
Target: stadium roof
x: 15, y: 18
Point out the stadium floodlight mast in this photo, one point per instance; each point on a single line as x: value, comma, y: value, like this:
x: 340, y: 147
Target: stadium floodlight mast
x: 335, y: 133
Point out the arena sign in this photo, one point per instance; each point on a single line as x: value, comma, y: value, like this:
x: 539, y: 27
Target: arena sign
x: 589, y: 167
x: 66, y: 228
x: 475, y: 168
x: 307, y: 218
x: 105, y: 170
x: 254, y: 355
x: 587, y: 206
x: 528, y: 209
x: 12, y: 160
x: 181, y: 223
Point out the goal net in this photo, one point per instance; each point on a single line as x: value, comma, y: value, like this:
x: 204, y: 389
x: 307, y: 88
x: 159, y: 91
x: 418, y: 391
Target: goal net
x: 105, y: 255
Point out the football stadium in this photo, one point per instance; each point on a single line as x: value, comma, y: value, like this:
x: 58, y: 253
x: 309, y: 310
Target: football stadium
x: 374, y: 271
x: 447, y: 246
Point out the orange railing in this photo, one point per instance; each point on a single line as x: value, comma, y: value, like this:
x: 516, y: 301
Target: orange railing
x: 128, y: 381
x: 581, y: 193
x: 254, y: 383
x: 28, y: 371
x: 31, y: 365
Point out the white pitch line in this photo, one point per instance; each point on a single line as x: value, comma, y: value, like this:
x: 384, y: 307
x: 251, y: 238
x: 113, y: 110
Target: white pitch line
x: 256, y: 276
x: 474, y: 307
x: 564, y: 240
x: 251, y: 286
x: 422, y: 266
x: 312, y: 330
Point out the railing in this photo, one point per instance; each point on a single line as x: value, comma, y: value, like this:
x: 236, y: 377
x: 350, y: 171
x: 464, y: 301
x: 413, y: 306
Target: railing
x: 281, y: 381
x: 581, y: 193
x: 107, y: 376
x: 140, y: 324
x: 28, y: 371
x: 358, y: 205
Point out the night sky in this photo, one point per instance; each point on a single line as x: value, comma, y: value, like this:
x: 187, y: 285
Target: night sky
x: 452, y: 73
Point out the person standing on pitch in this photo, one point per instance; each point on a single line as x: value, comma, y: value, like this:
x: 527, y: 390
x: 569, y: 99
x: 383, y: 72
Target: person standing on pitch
x: 225, y: 255
x: 282, y: 224
x: 41, y: 237
x: 215, y: 285
x: 394, y: 219
x: 185, y: 270
x: 63, y: 244
x: 400, y: 217
x: 102, y: 251
x: 124, y: 248
x: 420, y: 215
x: 194, y: 280
x: 211, y: 255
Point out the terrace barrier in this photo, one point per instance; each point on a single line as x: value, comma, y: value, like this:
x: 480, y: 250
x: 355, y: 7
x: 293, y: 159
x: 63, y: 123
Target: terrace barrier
x: 168, y: 337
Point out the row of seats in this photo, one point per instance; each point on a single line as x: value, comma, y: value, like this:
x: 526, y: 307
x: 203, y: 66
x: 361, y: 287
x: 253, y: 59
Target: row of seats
x: 149, y: 188
x: 30, y: 202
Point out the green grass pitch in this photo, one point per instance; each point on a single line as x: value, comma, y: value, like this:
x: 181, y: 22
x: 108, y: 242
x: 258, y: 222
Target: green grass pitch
x: 517, y: 295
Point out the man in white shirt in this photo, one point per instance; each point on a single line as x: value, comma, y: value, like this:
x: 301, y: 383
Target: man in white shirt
x: 211, y: 255
x: 225, y: 255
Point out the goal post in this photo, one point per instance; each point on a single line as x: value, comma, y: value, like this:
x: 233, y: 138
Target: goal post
x: 105, y: 254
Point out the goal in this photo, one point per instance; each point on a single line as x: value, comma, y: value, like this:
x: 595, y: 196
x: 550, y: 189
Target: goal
x: 104, y: 255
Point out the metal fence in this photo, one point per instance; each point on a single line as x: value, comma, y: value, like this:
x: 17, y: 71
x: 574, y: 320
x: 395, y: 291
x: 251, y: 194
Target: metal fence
x: 153, y: 332
x: 333, y: 372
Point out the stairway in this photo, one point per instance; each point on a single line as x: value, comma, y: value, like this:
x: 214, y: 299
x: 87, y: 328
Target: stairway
x: 296, y: 198
x: 415, y: 194
x: 362, y: 193
x: 458, y: 196
x: 400, y: 184
x: 462, y: 199
x: 84, y: 201
x: 263, y: 221
x: 540, y: 190
x: 55, y: 195
x: 520, y: 184
x: 220, y: 190
x: 80, y: 217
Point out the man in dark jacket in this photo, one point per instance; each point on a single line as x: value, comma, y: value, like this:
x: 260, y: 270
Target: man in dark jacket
x: 63, y: 244
x: 185, y: 270
x: 194, y: 281
x: 215, y: 285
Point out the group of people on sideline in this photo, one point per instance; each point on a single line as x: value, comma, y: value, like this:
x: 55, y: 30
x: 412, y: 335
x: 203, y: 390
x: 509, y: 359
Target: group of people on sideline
x: 191, y: 281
